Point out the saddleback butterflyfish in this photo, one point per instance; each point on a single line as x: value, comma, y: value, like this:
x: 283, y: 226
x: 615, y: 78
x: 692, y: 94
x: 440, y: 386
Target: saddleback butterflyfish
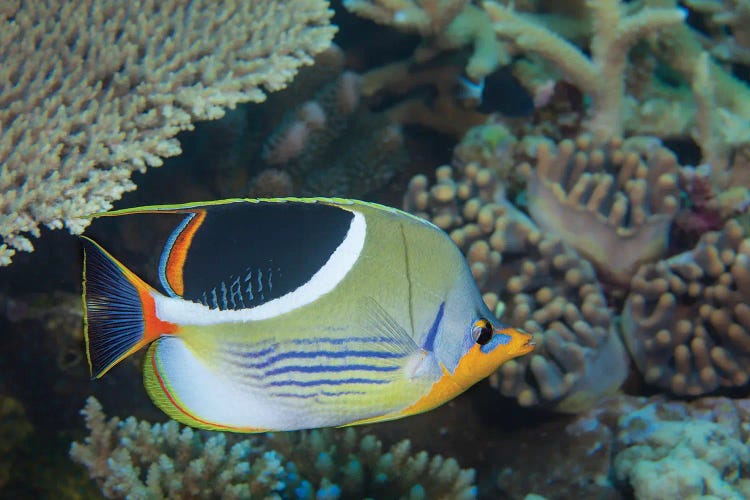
x: 282, y: 314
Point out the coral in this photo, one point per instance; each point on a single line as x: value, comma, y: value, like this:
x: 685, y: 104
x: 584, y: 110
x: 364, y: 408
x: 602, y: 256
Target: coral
x: 634, y: 447
x: 532, y: 281
x: 327, y: 140
x: 139, y: 460
x: 614, y: 204
x: 679, y: 47
x: 686, y: 321
x: 669, y: 450
x: 93, y: 90
x: 601, y: 76
x: 445, y: 25
x: 724, y: 139
x: 729, y: 23
x: 426, y: 17
x: 271, y: 183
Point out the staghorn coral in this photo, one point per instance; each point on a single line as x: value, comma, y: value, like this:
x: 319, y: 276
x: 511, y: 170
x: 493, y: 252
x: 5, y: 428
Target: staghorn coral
x: 686, y: 321
x: 426, y: 17
x: 601, y: 76
x: 445, y: 25
x: 532, y: 281
x: 139, y: 460
x: 93, y: 90
x: 729, y: 23
x: 614, y: 204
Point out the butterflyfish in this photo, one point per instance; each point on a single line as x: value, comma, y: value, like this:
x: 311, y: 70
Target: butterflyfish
x: 295, y: 313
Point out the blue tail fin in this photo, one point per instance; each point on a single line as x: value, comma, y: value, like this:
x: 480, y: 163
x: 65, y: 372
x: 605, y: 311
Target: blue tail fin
x: 120, y: 315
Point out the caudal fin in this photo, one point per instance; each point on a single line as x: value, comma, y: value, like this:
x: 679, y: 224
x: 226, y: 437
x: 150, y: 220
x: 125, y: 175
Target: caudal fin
x: 120, y: 313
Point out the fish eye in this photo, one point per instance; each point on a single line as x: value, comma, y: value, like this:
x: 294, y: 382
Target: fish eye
x: 482, y: 331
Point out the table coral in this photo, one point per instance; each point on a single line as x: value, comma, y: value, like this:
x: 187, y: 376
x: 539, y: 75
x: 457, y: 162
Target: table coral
x: 93, y: 90
x: 613, y: 203
x: 686, y: 321
x: 534, y: 282
x: 141, y: 460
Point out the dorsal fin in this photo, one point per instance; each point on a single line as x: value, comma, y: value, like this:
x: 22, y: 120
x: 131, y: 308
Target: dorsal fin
x: 239, y: 254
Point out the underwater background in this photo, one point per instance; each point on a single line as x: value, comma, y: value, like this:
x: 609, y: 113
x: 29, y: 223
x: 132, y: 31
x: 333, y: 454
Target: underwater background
x: 590, y: 158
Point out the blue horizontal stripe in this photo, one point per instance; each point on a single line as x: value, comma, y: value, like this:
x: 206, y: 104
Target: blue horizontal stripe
x: 341, y: 340
x: 296, y: 395
x: 330, y: 368
x: 325, y: 381
x: 324, y: 354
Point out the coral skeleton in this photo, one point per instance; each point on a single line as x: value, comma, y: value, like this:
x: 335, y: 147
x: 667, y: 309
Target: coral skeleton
x: 137, y: 459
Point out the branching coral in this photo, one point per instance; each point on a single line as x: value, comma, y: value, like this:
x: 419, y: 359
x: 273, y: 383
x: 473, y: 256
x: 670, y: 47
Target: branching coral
x: 426, y: 17
x: 534, y: 282
x: 686, y: 321
x: 614, y: 204
x: 729, y: 21
x: 94, y: 89
x: 445, y: 24
x: 602, y: 76
x: 139, y: 460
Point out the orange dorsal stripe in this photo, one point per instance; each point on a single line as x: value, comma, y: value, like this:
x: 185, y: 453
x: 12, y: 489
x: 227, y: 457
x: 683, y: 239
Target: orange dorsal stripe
x: 178, y: 253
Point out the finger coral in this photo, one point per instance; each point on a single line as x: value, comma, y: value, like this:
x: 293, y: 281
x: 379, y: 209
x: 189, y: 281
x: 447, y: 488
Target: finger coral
x: 614, y: 204
x: 95, y: 89
x: 132, y: 459
x: 686, y: 321
x: 534, y: 282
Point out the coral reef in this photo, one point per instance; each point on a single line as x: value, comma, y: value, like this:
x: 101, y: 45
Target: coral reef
x: 327, y: 139
x: 602, y: 76
x: 532, y: 281
x: 614, y: 203
x: 94, y: 90
x: 686, y: 321
x: 139, y: 460
x: 635, y: 447
x: 670, y: 450
x: 445, y: 24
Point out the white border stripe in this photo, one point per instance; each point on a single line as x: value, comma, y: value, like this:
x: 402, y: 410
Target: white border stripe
x: 341, y: 261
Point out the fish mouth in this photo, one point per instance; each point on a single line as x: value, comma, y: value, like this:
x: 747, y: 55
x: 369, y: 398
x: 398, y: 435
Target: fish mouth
x: 524, y: 341
x: 528, y: 346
